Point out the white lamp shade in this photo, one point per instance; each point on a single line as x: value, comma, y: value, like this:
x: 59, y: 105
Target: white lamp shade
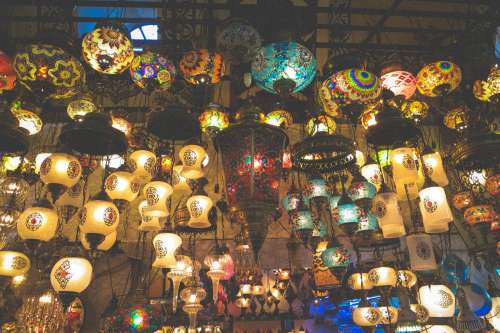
x: 385, y: 206
x: 148, y: 223
x: 359, y: 281
x: 372, y: 173
x: 389, y: 315
x: 122, y: 185
x: 142, y: 164
x: 157, y: 194
x: 37, y: 223
x: 439, y: 329
x: 192, y: 157
x: 404, y: 165
x: 438, y: 300
x: 106, y: 244
x: 420, y: 249
x: 13, y: 263
x: 366, y: 316
x: 72, y: 197
x: 383, y: 276
x: 433, y: 165
x: 494, y: 316
x: 436, y: 213
x: 62, y: 169
x: 165, y: 245
x: 71, y: 274
x: 180, y: 182
x: 199, y: 207
x: 99, y: 217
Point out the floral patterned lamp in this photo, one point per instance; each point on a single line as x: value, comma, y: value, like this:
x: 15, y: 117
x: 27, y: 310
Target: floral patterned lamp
x: 438, y: 78
x: 202, y: 67
x: 152, y: 71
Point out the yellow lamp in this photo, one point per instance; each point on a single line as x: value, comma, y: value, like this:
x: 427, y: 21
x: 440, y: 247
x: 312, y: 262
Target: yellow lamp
x: 39, y: 158
x: 437, y: 299
x: 99, y: 216
x: 359, y: 281
x: 199, y: 207
x: 106, y: 244
x: 13, y: 263
x: 157, y: 194
x: 180, y: 182
x: 434, y: 168
x: 216, y: 272
x: 321, y: 124
x: 60, y: 169
x: 406, y: 278
x: 436, y: 213
x: 148, y: 223
x: 81, y: 106
x: 383, y: 276
x: 213, y: 119
x: 279, y: 118
x: 122, y: 185
x: 404, y: 168
x: 438, y: 78
x: 366, y: 316
x: 165, y: 245
x: 181, y: 270
x: 30, y: 121
x: 71, y: 275
x: 389, y: 315
x: 38, y: 222
x: 192, y: 157
x: 142, y: 164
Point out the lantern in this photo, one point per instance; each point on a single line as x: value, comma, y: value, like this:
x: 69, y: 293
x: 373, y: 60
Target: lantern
x: 385, y: 206
x: 359, y: 281
x: 107, y: 49
x: 38, y: 222
x: 60, y: 169
x: 99, y: 216
x: 383, y: 276
x: 81, y: 106
x: 438, y: 300
x: 415, y: 110
x: 192, y: 157
x: 7, y: 73
x: 283, y: 67
x: 479, y: 214
x: 48, y: 71
x: 366, y: 316
x: 406, y: 278
x: 404, y: 167
x: 215, y: 273
x: 148, y: 223
x: 493, y: 185
x: 315, y: 187
x: 438, y: 78
x: 457, y: 119
x: 71, y: 275
x: 336, y: 257
x: 238, y: 42
x: 462, y: 200
x: 165, y: 245
x: 152, y: 71
x: 372, y: 173
x: 27, y: 115
x: 433, y: 165
x: 279, y: 118
x: 213, y: 119
x: 157, y: 194
x: 368, y: 116
x: 180, y: 182
x: 142, y: 165
x: 121, y: 185
x: 192, y: 297
x: 400, y: 83
x: 321, y: 124
x: 13, y: 263
x: 436, y: 213
x: 348, y: 213
x: 361, y: 191
x: 420, y: 249
x: 199, y: 206
x: 202, y: 67
x: 106, y: 244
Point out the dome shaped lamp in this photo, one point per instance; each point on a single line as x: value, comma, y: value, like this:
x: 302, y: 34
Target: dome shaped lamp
x: 213, y: 119
x: 152, y: 71
x: 438, y: 300
x: 200, y: 67
x: 438, y: 78
x: 60, y: 171
x: 157, y: 193
x: 165, y: 244
x: 38, y: 223
x: 199, y: 206
x: 80, y: 106
x: 181, y: 271
x: 216, y: 273
x: 239, y: 41
x: 192, y: 296
x: 69, y: 277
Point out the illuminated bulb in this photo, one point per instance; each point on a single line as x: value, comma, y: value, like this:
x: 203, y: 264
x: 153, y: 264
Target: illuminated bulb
x: 99, y: 216
x: 359, y: 281
x: 199, y: 207
x: 61, y: 169
x: 179, y: 272
x: 216, y: 272
x: 438, y: 300
x: 436, y: 213
x: 18, y: 279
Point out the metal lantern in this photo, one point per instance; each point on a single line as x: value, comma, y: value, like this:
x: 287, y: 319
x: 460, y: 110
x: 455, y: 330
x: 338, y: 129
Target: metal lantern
x: 251, y: 156
x: 415, y: 110
x: 438, y: 78
x: 202, y: 67
x: 321, y: 124
x: 213, y: 119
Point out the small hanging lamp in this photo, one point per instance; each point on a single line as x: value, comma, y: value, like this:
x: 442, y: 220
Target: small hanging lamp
x: 436, y: 213
x: 69, y: 277
x: 182, y: 270
x: 13, y: 263
x: 38, y: 222
x: 199, y: 206
x: 192, y: 296
x: 216, y: 273
x: 165, y: 244
x: 192, y: 157
x: 157, y: 193
x: 142, y: 164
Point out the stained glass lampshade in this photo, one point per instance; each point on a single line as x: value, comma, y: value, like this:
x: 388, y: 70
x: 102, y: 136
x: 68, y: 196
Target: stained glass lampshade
x: 239, y: 42
x: 479, y: 214
x: 438, y: 78
x: 457, y: 119
x: 302, y: 220
x: 336, y: 257
x: 321, y: 124
x: 7, y: 73
x: 213, y: 119
x: 28, y: 116
x: 462, y: 200
x: 315, y: 187
x: 367, y: 117
x: 367, y: 223
x: 361, y: 189
x: 400, y: 83
x: 107, y: 49
x: 49, y: 71
x: 280, y: 118
x: 284, y: 67
x: 489, y: 90
x: 493, y: 185
x: 349, y: 214
x: 415, y: 110
x: 81, y: 106
x: 152, y: 71
x: 202, y: 67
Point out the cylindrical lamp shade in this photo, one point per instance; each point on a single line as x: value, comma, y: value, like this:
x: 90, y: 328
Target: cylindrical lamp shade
x: 142, y: 165
x: 180, y: 182
x: 99, y: 217
x: 192, y: 157
x: 383, y: 276
x: 199, y: 207
x: 439, y: 329
x: 385, y: 206
x: 373, y: 174
x: 62, y: 169
x: 38, y: 223
x: 157, y: 194
x: 366, y: 316
x: 315, y: 188
x: 121, y: 185
x: 436, y: 213
x: 406, y: 278
x: 494, y: 316
x: 336, y: 257
x: 302, y: 220
x: 480, y: 214
x: 421, y: 252
x: 362, y: 190
x: 106, y: 244
x: 404, y: 165
x: 438, y: 300
x: 148, y: 223
x: 348, y: 213
x: 71, y: 274
x: 434, y: 168
x: 13, y: 263
x: 359, y: 281
x: 389, y: 315
x: 165, y: 245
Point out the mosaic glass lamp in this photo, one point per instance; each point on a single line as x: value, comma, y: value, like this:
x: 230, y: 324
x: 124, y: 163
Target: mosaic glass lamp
x: 152, y: 71
x: 438, y: 78
x: 202, y: 67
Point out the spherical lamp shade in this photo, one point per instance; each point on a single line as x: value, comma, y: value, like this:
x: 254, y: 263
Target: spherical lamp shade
x: 192, y: 157
x: 438, y: 300
x: 436, y: 213
x: 366, y: 316
x: 180, y: 182
x: 13, y: 263
x: 165, y: 245
x: 438, y: 78
x: 383, y: 276
x: 336, y: 257
x: 199, y: 207
x: 121, y: 185
x: 81, y: 106
x: 7, y: 73
x: 283, y: 67
x: 415, y: 110
x: 239, y: 42
x: 142, y: 165
x: 49, y: 71
x: 493, y: 185
x: 148, y: 223
x: 71, y: 274
x: 457, y: 119
x: 202, y: 67
x: 462, y: 200
x: 279, y: 118
x: 400, y: 83
x: 28, y: 116
x: 420, y: 249
x: 107, y: 243
x: 433, y: 165
x: 373, y: 174
x: 406, y: 278
x: 99, y: 217
x: 359, y: 281
x: 38, y: 222
x: 493, y: 316
x: 61, y: 169
x: 108, y: 50
x: 385, y: 206
x: 157, y: 194
x: 213, y: 119
x: 152, y: 71
x: 480, y: 214
x: 321, y: 124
